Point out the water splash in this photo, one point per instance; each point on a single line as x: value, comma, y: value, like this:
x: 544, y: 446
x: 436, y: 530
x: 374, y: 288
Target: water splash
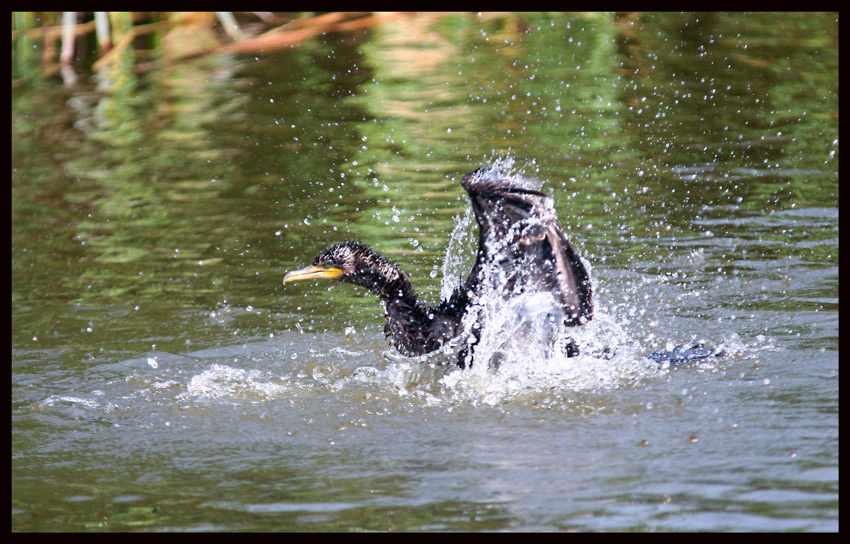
x: 516, y: 340
x: 520, y: 346
x: 460, y: 253
x: 458, y: 261
x: 222, y: 381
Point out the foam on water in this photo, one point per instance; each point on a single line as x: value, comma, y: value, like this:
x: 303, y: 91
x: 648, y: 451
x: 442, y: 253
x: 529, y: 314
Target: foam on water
x: 520, y: 354
x: 224, y: 381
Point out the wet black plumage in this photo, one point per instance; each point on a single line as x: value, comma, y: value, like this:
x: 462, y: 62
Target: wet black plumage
x: 519, y: 243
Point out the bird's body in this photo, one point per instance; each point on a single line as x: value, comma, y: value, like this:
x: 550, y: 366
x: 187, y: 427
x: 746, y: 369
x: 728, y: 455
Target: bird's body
x: 520, y: 249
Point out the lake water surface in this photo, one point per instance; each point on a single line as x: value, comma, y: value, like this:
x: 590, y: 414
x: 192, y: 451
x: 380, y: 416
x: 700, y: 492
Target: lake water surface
x: 164, y: 379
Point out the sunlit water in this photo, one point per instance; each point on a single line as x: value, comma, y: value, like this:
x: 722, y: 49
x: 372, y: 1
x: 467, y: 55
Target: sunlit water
x: 164, y: 379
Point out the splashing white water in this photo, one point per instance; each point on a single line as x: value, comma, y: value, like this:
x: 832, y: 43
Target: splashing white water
x: 458, y: 259
x: 224, y: 381
x: 517, y: 339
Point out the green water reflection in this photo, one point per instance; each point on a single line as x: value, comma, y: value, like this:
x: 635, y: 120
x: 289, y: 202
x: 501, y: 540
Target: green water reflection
x: 160, y: 209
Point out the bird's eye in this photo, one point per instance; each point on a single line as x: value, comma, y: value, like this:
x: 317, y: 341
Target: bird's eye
x: 330, y: 263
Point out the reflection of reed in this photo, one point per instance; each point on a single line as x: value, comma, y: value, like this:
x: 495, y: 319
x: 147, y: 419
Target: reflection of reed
x: 115, y: 32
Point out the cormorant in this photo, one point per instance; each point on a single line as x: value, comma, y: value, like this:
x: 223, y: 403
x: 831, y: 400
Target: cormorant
x: 520, y: 249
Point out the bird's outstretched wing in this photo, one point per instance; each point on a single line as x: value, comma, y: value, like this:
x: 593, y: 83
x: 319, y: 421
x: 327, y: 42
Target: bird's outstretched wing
x: 519, y: 237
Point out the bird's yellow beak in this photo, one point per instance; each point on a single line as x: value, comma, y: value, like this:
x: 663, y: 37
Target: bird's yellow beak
x: 313, y: 272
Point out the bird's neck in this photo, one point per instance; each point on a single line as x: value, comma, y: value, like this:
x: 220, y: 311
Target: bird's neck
x: 397, y: 287
x: 413, y: 328
x: 386, y: 280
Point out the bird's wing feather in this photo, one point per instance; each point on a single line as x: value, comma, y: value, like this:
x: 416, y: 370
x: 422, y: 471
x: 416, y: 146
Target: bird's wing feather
x: 518, y: 231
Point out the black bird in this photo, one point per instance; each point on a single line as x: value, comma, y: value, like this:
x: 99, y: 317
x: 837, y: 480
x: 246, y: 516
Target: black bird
x: 520, y: 249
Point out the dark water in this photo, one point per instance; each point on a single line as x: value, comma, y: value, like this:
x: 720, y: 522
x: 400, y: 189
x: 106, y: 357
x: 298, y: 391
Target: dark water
x: 164, y: 379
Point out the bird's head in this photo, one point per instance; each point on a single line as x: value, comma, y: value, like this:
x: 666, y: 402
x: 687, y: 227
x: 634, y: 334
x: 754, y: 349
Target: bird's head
x: 357, y: 263
x: 337, y: 262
